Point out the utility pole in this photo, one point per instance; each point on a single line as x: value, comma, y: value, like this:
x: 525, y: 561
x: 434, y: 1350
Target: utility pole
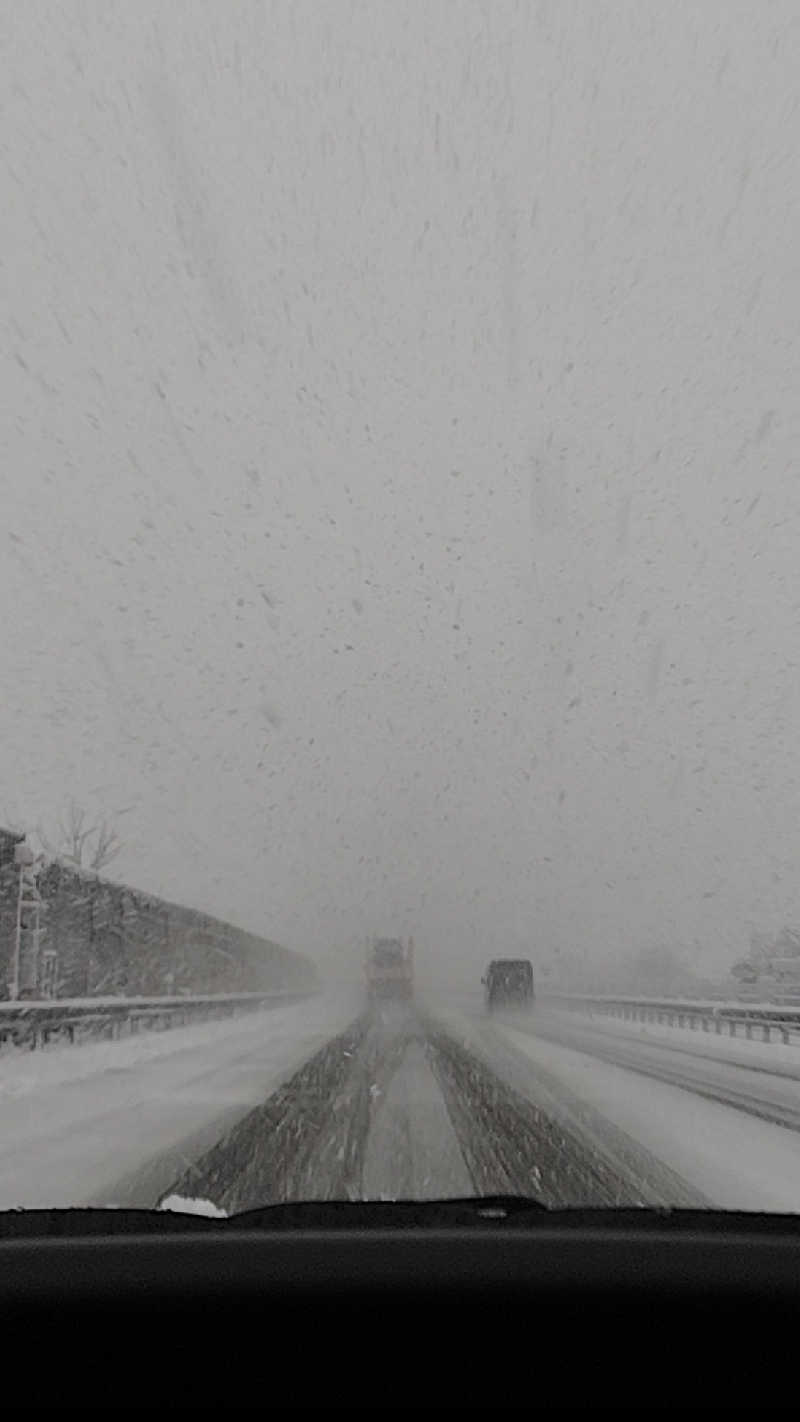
x: 28, y: 922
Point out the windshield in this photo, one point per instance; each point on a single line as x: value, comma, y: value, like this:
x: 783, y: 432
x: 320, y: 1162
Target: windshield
x: 399, y: 577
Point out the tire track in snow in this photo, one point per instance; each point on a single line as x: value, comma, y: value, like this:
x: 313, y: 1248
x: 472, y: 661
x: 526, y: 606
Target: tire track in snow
x: 362, y: 1119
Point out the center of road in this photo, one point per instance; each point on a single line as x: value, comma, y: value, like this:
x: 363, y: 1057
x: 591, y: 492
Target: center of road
x: 396, y: 1107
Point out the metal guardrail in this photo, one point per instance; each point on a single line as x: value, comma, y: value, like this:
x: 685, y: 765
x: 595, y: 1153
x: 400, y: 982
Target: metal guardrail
x: 766, y: 1018
x: 34, y: 1024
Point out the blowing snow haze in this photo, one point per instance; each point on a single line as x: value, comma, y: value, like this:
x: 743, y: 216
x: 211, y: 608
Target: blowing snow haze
x: 400, y: 501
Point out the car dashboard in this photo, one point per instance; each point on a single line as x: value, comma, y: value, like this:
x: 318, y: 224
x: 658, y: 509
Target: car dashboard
x: 458, y: 1305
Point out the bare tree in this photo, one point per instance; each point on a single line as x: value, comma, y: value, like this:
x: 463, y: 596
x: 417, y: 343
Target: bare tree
x: 107, y: 845
x: 79, y: 842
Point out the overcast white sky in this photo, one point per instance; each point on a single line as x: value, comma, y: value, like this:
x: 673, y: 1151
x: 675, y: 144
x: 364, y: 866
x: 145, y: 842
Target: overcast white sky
x: 400, y: 429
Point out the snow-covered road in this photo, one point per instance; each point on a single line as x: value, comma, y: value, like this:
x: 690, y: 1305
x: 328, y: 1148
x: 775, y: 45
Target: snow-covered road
x: 112, y: 1123
x: 321, y: 1100
x: 721, y: 1115
x: 398, y: 1106
x: 764, y: 1082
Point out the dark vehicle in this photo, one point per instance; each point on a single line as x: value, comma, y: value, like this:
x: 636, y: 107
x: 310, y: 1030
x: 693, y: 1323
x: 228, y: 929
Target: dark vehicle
x: 509, y: 983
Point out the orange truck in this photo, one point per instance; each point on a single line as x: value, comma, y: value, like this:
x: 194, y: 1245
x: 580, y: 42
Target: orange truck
x: 390, y: 969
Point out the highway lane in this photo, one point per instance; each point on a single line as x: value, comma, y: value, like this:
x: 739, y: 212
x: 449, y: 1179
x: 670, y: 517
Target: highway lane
x: 399, y: 1102
x: 402, y: 1106
x: 691, y: 1119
